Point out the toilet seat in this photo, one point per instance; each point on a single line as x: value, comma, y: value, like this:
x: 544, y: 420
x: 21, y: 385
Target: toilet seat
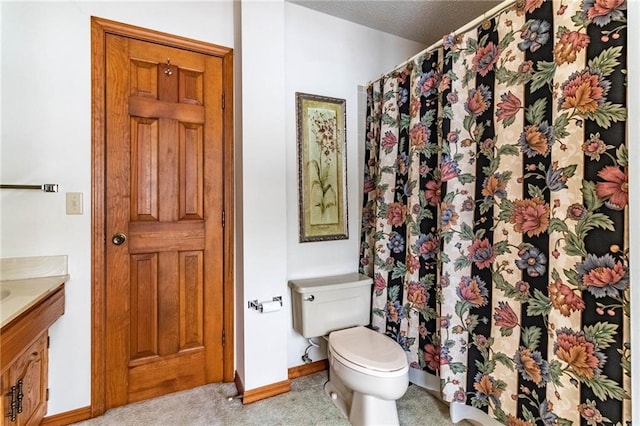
x: 368, y: 351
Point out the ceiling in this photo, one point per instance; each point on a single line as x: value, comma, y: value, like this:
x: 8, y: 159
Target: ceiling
x: 424, y: 21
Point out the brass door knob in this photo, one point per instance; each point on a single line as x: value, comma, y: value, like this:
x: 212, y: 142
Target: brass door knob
x: 119, y: 238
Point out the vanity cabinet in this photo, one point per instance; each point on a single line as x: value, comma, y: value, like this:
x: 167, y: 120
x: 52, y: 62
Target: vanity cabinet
x: 24, y: 385
x: 24, y: 361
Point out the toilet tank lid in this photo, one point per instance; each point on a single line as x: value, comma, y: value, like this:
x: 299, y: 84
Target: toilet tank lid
x: 329, y: 283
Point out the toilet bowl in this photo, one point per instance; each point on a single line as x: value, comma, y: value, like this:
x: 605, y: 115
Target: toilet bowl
x: 368, y: 372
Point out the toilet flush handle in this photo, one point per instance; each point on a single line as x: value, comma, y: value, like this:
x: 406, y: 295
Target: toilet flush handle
x: 310, y: 298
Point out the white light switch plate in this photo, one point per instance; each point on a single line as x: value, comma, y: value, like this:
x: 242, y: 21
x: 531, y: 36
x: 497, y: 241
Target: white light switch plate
x: 74, y: 202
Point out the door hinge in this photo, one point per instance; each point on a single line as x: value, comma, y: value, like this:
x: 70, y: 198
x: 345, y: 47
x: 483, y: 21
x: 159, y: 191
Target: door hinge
x: 223, y: 218
x: 223, y: 101
x: 224, y: 338
x: 47, y: 394
x: 48, y: 342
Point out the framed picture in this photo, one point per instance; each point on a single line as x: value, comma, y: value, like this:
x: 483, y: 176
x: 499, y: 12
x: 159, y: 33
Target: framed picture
x: 322, y: 167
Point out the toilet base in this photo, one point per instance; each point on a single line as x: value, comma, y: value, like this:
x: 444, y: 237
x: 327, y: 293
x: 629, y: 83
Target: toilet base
x: 360, y: 409
x: 367, y: 410
x: 338, y: 398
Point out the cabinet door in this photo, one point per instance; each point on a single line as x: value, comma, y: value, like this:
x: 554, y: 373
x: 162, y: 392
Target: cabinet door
x: 29, y: 375
x: 5, y: 402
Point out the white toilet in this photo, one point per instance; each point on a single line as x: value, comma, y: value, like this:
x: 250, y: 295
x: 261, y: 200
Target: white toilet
x: 368, y: 371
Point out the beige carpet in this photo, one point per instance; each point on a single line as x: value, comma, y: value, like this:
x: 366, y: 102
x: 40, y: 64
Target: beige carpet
x: 306, y: 404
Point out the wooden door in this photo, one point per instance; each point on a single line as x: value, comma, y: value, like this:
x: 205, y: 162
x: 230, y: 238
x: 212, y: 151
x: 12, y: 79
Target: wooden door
x: 164, y: 218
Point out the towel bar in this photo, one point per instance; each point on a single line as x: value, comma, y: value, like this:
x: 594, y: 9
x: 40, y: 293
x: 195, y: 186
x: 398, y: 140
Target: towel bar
x: 46, y: 187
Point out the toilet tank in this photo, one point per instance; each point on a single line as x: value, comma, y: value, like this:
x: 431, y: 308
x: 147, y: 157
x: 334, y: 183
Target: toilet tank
x: 325, y: 304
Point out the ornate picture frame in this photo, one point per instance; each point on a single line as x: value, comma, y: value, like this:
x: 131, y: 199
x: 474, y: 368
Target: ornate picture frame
x: 322, y: 167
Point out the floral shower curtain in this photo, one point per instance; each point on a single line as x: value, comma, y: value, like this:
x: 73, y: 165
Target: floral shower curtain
x: 495, y: 215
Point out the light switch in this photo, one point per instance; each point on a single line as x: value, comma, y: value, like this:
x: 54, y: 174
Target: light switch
x: 74, y: 202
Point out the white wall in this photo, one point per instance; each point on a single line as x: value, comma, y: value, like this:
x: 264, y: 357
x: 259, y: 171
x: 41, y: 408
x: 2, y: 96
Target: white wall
x: 263, y: 245
x: 287, y: 48
x: 46, y: 138
x: 330, y: 57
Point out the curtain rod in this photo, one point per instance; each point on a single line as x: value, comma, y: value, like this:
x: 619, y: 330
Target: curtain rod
x: 499, y: 8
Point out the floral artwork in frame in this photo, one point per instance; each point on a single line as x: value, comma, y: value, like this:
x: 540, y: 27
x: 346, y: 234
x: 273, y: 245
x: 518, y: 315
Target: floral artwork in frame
x: 322, y: 170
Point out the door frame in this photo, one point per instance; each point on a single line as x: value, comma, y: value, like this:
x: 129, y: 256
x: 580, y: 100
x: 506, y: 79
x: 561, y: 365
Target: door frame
x: 99, y: 29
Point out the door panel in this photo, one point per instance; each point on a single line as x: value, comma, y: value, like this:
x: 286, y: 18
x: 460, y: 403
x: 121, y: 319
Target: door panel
x: 144, y: 157
x: 164, y: 191
x: 144, y: 306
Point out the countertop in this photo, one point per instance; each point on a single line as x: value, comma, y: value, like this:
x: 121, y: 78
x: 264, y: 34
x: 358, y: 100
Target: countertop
x: 25, y: 281
x: 17, y: 296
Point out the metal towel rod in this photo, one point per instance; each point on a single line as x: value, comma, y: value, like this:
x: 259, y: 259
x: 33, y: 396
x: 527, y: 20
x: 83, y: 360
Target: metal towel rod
x: 45, y: 187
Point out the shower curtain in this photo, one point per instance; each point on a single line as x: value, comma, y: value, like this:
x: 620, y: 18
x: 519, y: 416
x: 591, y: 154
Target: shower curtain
x: 494, y: 220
